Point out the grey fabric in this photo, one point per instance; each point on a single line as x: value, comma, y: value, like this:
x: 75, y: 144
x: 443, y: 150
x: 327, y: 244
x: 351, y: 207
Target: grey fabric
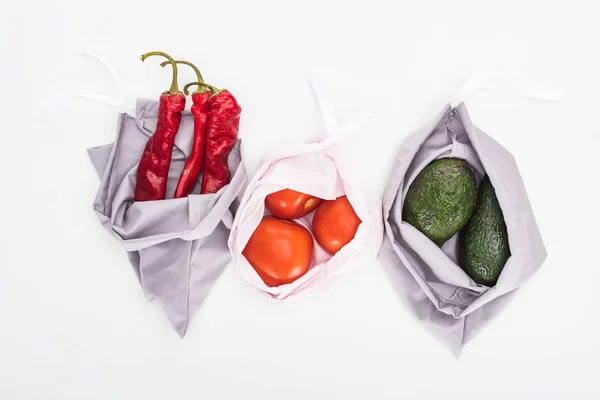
x: 177, y: 247
x: 427, y: 278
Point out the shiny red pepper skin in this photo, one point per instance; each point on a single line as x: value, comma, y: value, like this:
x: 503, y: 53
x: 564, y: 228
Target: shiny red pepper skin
x: 153, y: 169
x: 195, y: 162
x: 221, y: 135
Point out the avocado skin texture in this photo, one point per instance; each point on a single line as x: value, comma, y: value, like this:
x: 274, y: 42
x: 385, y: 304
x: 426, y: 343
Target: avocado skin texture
x: 483, y: 244
x: 441, y: 199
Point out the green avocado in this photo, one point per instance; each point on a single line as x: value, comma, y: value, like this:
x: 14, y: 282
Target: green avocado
x: 483, y: 244
x: 441, y: 199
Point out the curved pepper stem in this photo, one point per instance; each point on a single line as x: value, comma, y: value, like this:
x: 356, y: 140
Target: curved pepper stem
x: 213, y: 89
x: 196, y: 70
x: 174, y: 86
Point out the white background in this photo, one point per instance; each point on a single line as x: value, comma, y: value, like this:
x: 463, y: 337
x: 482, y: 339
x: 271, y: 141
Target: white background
x: 73, y: 321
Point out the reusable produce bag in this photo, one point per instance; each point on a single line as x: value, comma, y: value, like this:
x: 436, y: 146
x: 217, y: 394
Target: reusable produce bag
x: 177, y: 247
x: 428, y: 279
x: 322, y: 169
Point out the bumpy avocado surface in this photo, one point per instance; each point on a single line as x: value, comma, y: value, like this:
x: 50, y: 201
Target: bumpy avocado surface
x: 483, y: 244
x: 441, y: 199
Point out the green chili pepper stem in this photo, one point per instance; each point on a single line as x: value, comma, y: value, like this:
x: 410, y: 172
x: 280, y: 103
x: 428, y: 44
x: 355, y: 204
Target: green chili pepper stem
x: 196, y: 70
x: 213, y: 89
x: 174, y: 86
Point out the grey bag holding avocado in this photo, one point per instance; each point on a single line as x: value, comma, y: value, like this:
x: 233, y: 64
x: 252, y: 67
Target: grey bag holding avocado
x: 428, y: 278
x: 177, y: 247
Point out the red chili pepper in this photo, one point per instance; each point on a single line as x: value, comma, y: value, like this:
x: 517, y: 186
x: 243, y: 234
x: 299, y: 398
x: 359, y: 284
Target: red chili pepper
x: 153, y: 169
x: 201, y: 110
x: 221, y: 136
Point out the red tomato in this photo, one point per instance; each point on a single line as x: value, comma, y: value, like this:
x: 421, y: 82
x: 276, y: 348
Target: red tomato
x: 280, y: 251
x: 335, y: 223
x: 289, y: 204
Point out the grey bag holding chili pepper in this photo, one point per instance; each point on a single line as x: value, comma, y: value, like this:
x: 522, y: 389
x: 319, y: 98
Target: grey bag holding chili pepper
x: 452, y: 306
x: 177, y: 247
